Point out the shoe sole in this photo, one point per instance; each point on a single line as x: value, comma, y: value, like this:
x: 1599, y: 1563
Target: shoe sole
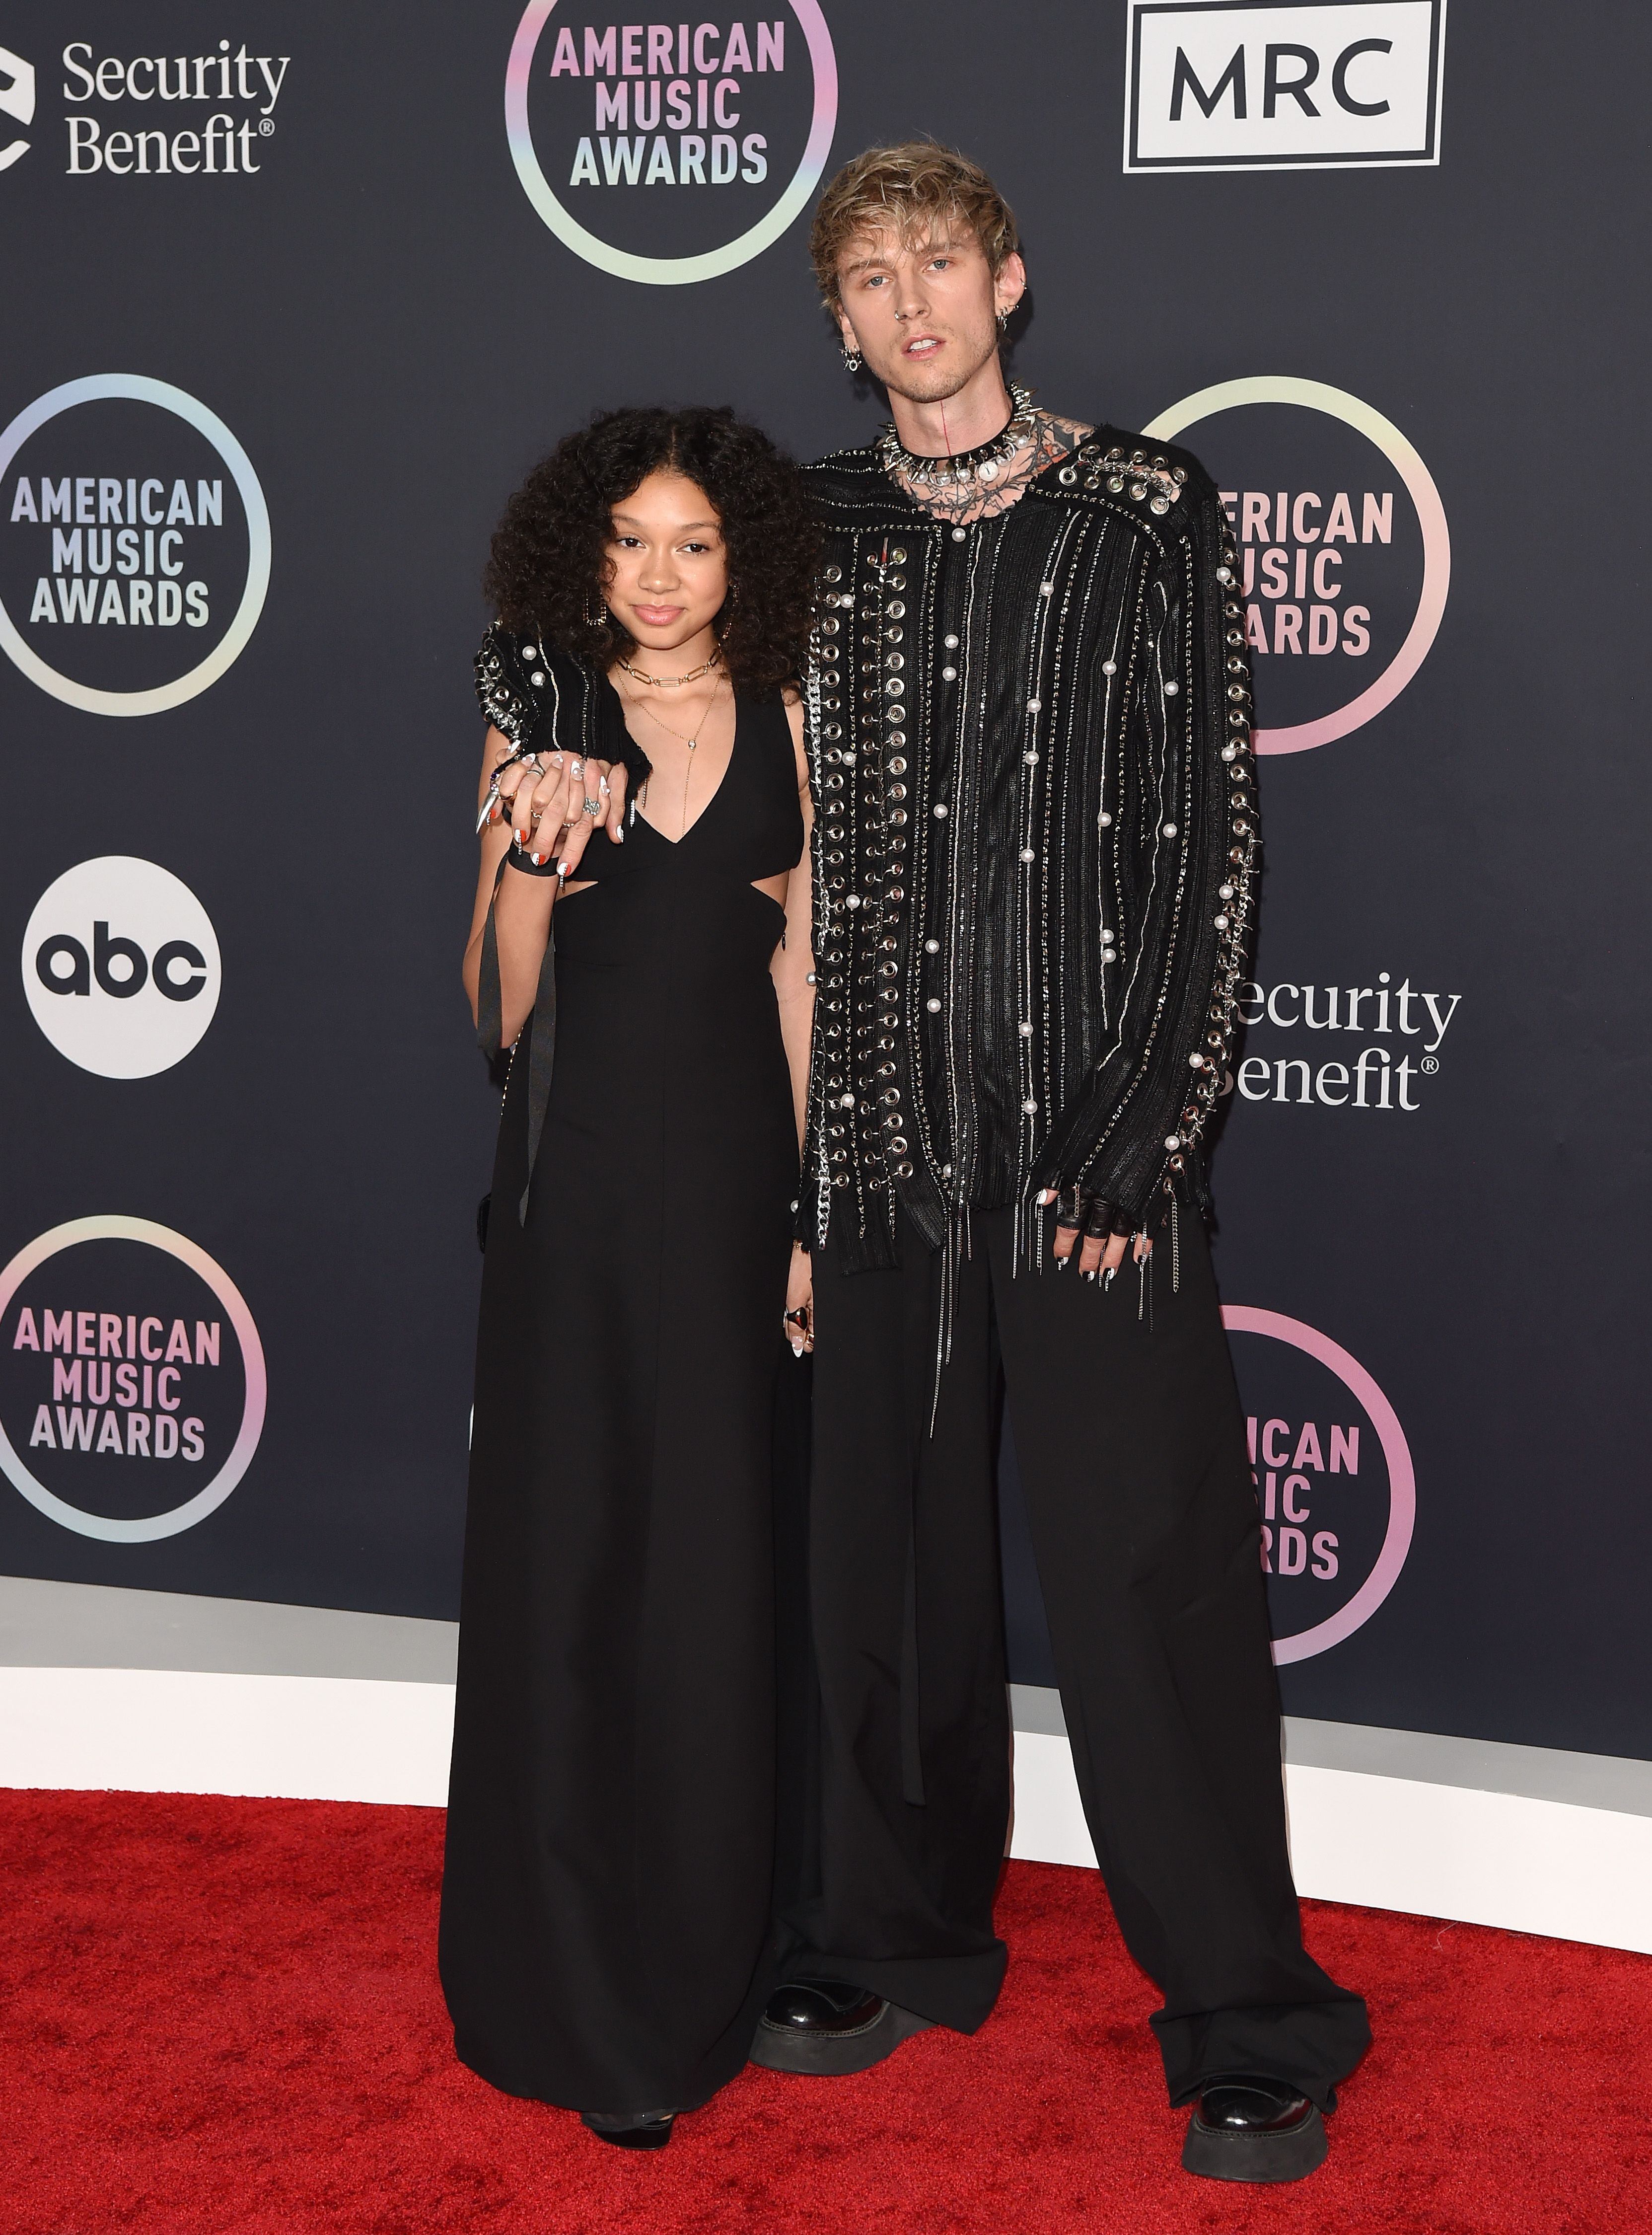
x: 1216, y: 2153
x: 777, y: 2048
x: 633, y: 2138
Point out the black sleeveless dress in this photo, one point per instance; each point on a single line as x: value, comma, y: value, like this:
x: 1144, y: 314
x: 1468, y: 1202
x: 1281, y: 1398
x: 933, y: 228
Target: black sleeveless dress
x: 606, y: 1915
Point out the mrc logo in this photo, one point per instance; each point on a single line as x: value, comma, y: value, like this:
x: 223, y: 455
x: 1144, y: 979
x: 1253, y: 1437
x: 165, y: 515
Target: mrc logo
x: 1221, y: 85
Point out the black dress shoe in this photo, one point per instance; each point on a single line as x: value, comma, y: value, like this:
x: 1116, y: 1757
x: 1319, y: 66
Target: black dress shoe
x: 826, y: 2028
x: 1253, y: 2129
x: 630, y: 2130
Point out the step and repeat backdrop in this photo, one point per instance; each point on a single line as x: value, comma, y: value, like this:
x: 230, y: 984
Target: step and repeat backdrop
x: 293, y: 297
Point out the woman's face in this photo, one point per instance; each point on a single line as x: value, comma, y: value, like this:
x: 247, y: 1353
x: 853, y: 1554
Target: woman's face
x: 668, y: 573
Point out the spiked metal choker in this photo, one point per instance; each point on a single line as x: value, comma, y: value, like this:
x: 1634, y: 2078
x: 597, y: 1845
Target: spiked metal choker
x: 984, y: 464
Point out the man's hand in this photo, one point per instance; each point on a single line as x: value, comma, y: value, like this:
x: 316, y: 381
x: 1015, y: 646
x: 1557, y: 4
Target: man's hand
x: 554, y: 806
x: 1089, y: 1227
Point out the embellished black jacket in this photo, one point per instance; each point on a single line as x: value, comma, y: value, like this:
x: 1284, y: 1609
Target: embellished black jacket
x: 541, y: 701
x: 1036, y: 844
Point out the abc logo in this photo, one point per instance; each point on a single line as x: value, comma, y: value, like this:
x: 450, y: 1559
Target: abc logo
x: 120, y: 966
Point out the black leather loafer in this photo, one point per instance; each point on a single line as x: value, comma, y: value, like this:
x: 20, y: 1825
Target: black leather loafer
x: 630, y: 2130
x: 1254, y: 2129
x: 822, y: 2028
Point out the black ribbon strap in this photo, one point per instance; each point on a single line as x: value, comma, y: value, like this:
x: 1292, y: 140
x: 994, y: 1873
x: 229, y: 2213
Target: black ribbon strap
x: 490, y: 1019
x: 542, y: 1049
x: 541, y: 1026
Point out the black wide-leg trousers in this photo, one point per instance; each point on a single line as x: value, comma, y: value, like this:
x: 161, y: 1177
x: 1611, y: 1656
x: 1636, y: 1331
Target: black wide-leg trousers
x: 1143, y: 1522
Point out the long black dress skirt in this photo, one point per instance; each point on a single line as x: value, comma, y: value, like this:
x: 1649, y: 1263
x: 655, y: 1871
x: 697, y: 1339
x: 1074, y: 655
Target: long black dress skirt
x: 606, y: 1941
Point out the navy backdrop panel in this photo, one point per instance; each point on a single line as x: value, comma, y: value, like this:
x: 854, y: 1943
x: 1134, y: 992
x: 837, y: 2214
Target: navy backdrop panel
x: 1433, y: 1216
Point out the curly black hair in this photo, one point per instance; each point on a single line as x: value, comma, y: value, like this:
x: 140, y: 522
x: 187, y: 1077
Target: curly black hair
x: 547, y: 564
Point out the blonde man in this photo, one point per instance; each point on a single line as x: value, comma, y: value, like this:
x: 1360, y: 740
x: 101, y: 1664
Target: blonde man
x: 1035, y: 857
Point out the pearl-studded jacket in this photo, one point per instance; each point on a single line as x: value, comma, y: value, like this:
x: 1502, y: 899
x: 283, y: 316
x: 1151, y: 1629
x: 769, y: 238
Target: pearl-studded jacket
x: 1035, y: 844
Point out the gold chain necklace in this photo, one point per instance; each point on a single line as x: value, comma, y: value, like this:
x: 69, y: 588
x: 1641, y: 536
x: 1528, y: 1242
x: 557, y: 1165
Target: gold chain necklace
x: 671, y: 682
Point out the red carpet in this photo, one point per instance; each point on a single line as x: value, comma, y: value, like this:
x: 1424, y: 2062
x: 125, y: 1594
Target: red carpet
x: 222, y: 2015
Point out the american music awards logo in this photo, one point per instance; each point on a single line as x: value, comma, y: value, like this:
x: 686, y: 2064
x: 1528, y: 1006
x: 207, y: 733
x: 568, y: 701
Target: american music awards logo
x: 132, y: 1379
x: 1334, y: 1477
x: 669, y: 153
x: 1344, y: 555
x: 134, y: 545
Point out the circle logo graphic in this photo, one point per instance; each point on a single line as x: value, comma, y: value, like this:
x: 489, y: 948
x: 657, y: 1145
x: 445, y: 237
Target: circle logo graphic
x: 668, y: 154
x: 134, y: 545
x: 130, y: 1371
x: 1333, y: 1479
x: 1345, y: 551
x: 120, y: 966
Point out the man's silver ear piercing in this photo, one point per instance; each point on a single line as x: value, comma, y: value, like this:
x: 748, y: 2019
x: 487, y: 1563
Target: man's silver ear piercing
x: 850, y: 359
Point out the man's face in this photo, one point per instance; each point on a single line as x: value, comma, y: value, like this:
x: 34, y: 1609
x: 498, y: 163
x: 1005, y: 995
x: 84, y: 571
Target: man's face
x: 923, y: 313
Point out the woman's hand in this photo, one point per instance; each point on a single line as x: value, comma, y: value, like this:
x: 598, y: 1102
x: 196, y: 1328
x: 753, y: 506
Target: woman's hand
x: 800, y: 1301
x: 541, y: 800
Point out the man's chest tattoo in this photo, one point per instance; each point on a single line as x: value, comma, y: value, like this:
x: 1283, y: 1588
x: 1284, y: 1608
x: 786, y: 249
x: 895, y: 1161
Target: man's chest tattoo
x: 960, y: 502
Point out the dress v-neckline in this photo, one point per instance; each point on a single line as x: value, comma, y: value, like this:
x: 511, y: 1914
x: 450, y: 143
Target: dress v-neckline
x: 734, y: 747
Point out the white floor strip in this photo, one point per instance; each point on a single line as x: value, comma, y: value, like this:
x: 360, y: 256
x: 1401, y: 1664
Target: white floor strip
x: 1542, y: 1866
x: 1382, y: 1841
x: 173, y: 1730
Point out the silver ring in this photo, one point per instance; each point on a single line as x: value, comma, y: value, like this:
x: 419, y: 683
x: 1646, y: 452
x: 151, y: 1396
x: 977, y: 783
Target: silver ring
x: 594, y: 807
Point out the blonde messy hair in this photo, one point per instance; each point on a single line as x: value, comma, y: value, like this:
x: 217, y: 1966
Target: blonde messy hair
x: 914, y: 186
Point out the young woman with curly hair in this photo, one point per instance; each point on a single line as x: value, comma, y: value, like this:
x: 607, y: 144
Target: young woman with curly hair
x: 606, y: 1907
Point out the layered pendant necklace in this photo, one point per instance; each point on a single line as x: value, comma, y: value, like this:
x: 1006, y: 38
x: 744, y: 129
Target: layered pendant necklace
x: 669, y: 683
x: 984, y: 464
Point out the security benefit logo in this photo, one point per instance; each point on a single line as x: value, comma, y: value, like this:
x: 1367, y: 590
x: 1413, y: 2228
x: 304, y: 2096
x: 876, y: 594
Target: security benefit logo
x: 1333, y: 1479
x: 134, y: 545
x: 1344, y: 553
x: 1372, y: 1047
x: 1214, y: 85
x: 132, y: 1379
x: 204, y: 115
x: 669, y: 153
x: 120, y: 966
x: 17, y: 102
